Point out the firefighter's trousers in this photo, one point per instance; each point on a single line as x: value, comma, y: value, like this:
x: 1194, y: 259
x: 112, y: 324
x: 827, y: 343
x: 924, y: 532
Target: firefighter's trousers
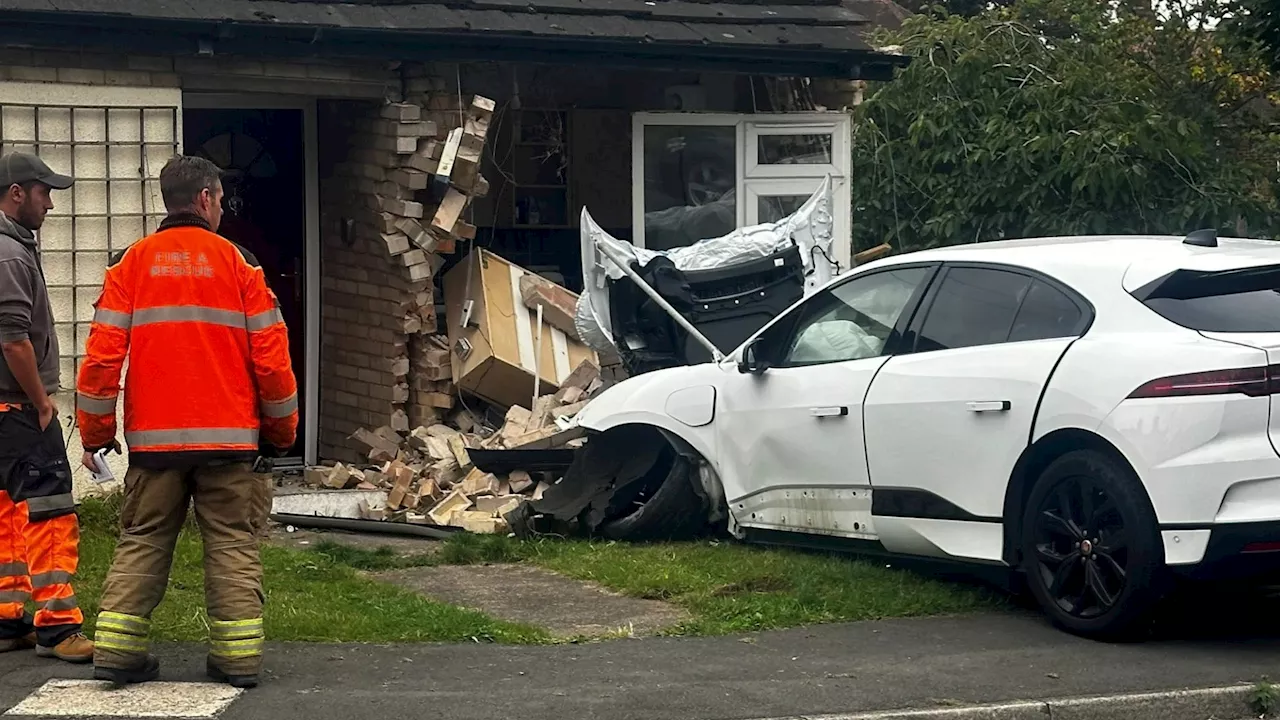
x: 39, y: 530
x: 232, y: 505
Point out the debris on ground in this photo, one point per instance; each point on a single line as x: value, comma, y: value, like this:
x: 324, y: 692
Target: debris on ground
x: 429, y: 474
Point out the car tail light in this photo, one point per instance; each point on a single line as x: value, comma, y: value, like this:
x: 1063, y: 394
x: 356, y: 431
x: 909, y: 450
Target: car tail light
x: 1261, y: 547
x: 1253, y: 382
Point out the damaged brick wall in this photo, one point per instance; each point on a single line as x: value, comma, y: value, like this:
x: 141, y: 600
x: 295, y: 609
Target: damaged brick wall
x: 393, y: 195
x: 452, y: 159
x: 363, y: 354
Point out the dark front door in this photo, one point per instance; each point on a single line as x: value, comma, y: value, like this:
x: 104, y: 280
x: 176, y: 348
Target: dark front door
x: 262, y: 154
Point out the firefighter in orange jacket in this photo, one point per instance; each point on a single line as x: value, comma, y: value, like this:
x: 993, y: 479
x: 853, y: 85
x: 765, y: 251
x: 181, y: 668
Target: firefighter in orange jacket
x: 209, y: 371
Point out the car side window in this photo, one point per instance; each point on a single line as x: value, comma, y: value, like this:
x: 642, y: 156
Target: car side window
x: 1046, y: 313
x: 850, y: 321
x: 973, y: 306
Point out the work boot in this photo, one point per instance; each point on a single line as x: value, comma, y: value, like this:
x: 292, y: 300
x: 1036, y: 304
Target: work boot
x: 22, y: 642
x: 145, y: 671
x: 243, y: 682
x: 74, y: 649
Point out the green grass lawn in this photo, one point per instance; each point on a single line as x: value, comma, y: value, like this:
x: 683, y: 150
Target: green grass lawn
x: 321, y: 595
x: 726, y: 587
x: 310, y: 596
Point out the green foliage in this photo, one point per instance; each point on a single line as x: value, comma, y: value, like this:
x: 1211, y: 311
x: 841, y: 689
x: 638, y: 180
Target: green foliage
x: 965, y: 8
x: 1259, y: 21
x: 1066, y: 117
x: 1265, y: 699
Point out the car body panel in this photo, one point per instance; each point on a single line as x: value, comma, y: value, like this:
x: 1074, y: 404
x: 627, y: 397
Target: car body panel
x: 932, y: 420
x: 794, y: 428
x: 1207, y: 462
x: 643, y: 400
x: 1270, y: 344
x: 943, y: 539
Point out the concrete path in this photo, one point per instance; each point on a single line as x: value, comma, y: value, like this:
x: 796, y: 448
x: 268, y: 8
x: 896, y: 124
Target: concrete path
x: 840, y: 669
x: 568, y: 609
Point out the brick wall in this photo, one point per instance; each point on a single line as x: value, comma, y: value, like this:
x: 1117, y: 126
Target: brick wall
x: 322, y: 78
x: 371, y: 299
x: 382, y: 243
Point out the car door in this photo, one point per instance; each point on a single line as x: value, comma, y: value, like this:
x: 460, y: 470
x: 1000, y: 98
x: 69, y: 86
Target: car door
x: 790, y: 425
x: 947, y: 421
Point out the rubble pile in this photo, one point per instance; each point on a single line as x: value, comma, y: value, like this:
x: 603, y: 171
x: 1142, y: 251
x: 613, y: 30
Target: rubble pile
x: 465, y: 380
x: 429, y: 475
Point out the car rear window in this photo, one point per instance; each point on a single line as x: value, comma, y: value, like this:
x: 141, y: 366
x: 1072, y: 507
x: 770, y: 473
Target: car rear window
x: 1243, y: 300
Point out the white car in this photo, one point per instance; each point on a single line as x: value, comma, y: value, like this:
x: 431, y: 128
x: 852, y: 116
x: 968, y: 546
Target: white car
x: 1094, y: 411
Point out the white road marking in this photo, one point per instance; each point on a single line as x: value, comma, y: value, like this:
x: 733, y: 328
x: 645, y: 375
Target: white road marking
x: 1218, y: 702
x: 93, y: 698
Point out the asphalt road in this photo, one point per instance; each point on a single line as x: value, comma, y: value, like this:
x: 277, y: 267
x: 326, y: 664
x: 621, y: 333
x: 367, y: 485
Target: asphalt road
x: 826, y: 669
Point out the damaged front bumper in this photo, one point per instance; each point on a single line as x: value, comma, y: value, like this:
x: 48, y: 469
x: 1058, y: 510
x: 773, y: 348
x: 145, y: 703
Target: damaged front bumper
x: 633, y: 482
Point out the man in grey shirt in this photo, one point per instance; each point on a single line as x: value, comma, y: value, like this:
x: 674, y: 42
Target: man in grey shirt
x: 39, y: 531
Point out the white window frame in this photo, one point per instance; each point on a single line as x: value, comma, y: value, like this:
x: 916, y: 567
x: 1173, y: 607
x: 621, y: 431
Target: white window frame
x: 837, y: 126
x: 753, y: 179
x: 775, y: 187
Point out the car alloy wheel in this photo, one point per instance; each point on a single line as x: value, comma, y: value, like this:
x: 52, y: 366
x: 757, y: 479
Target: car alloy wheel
x: 1081, y: 550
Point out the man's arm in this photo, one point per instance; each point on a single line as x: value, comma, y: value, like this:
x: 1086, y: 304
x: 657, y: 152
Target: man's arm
x: 17, y: 284
x: 272, y: 367
x: 98, y: 384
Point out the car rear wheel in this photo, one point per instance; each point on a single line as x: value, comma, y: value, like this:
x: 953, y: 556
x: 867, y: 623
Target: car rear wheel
x: 1091, y: 548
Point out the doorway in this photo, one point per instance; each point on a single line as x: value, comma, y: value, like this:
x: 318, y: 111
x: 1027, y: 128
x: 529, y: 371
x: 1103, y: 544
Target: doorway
x: 263, y: 155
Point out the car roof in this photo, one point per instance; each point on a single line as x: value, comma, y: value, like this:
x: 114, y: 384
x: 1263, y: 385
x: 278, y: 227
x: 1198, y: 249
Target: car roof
x: 1085, y: 260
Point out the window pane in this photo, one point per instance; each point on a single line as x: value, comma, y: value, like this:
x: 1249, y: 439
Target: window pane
x: 1046, y: 313
x: 689, y: 178
x: 852, y: 321
x: 795, y: 149
x: 1243, y: 300
x: 973, y: 307
x: 772, y: 208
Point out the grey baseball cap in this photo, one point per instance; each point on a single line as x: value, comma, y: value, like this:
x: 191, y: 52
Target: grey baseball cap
x: 18, y: 168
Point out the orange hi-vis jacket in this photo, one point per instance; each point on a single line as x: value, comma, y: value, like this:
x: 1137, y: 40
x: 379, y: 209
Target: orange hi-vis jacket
x: 208, y: 353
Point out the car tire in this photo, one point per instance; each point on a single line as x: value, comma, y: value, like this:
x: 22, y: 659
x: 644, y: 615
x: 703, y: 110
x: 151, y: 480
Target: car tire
x: 1099, y: 572
x: 675, y: 510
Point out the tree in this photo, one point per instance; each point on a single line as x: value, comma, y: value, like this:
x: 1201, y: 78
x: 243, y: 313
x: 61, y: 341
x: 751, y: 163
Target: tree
x: 963, y: 8
x: 1065, y: 117
x: 1259, y: 20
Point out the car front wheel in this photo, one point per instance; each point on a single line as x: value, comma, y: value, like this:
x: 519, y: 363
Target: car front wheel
x: 1091, y: 548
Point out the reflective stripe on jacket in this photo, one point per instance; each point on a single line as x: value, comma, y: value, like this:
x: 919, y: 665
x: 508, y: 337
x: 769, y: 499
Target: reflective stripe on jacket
x: 208, y: 351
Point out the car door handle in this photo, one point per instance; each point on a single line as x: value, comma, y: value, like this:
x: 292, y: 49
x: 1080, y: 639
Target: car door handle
x: 829, y: 411
x: 990, y: 405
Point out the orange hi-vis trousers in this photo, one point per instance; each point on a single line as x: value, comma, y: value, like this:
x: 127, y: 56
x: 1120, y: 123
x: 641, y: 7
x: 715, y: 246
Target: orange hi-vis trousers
x: 39, y: 530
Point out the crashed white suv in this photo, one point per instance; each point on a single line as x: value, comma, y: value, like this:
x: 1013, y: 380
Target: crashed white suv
x: 1095, y: 411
